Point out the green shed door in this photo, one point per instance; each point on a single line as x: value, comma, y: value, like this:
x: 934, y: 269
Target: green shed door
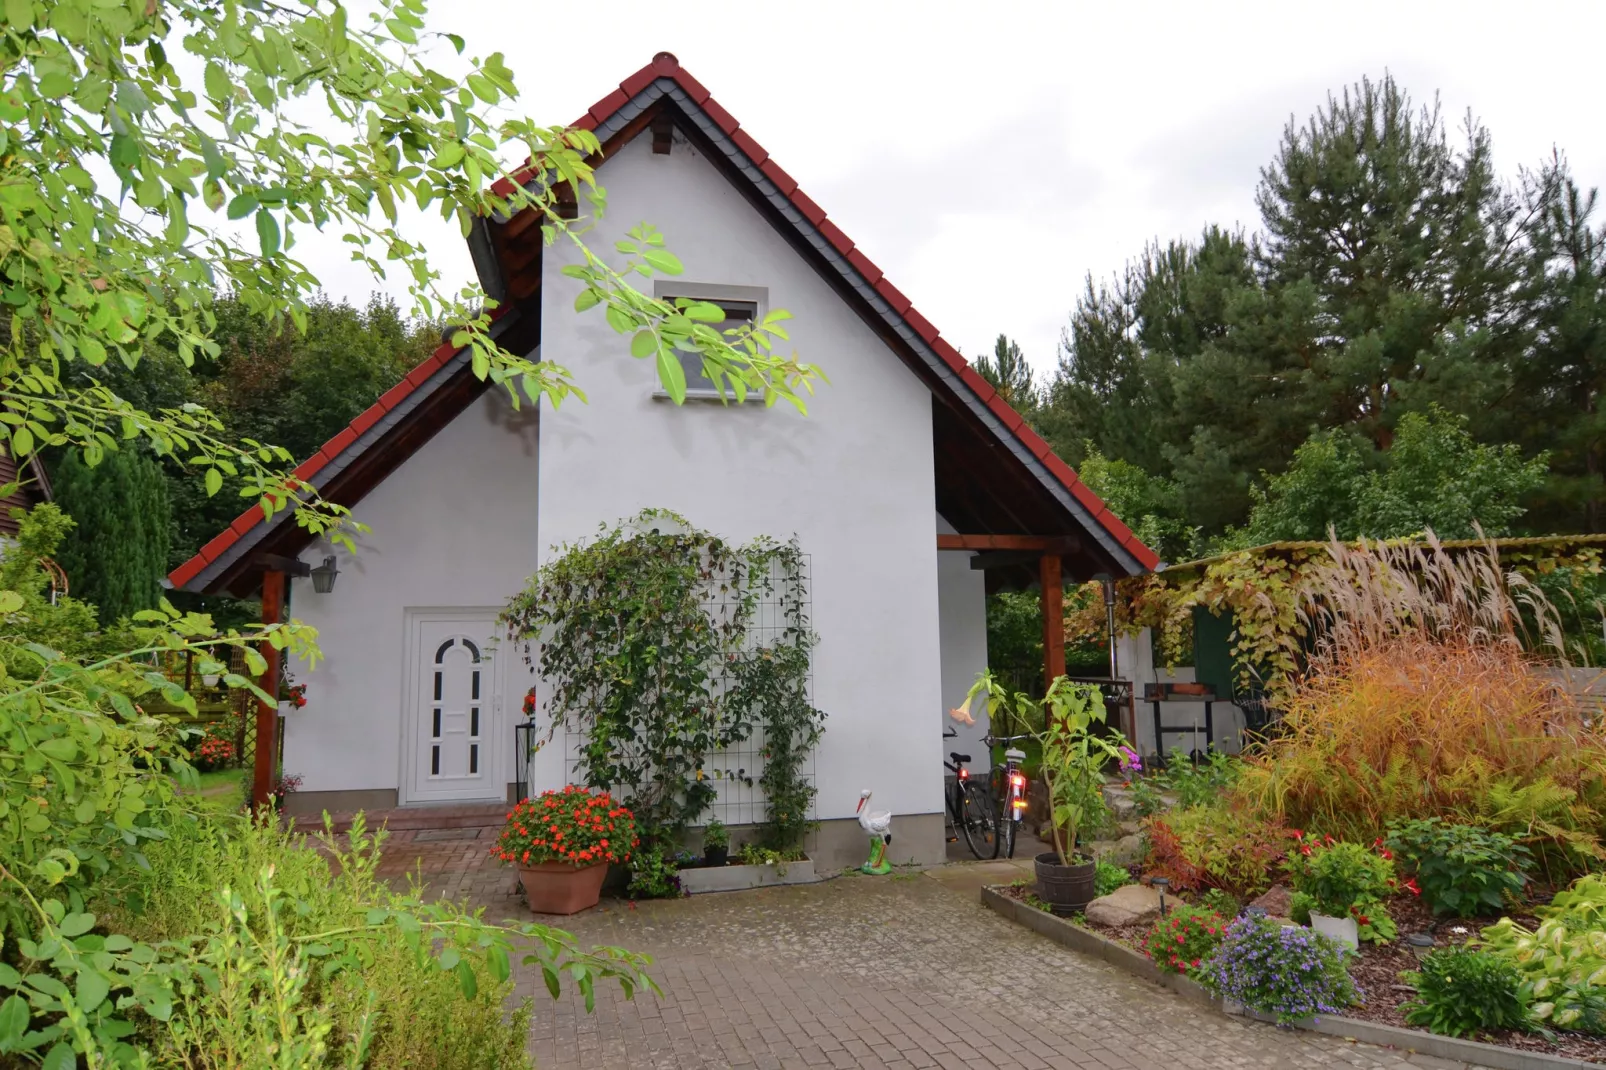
x: 1212, y: 657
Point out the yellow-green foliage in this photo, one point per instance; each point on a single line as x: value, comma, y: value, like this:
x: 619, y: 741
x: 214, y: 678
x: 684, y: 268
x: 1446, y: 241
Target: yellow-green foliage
x: 400, y: 1003
x: 1563, y: 961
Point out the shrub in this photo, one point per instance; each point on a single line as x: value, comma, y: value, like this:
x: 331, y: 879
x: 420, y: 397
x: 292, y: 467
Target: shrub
x: 1201, y: 784
x: 570, y: 825
x: 351, y: 963
x: 1463, y: 990
x: 1107, y: 877
x: 1289, y: 972
x: 1462, y: 869
x: 1421, y: 701
x: 1224, y: 903
x: 1345, y: 880
x: 213, y: 753
x: 1562, y: 963
x: 1184, y: 939
x: 715, y: 834
x: 654, y: 875
x: 1147, y: 799
x: 1215, y: 847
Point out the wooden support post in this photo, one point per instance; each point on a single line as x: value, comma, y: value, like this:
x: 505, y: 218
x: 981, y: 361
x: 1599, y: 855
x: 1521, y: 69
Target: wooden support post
x: 268, y: 712
x: 1048, y: 571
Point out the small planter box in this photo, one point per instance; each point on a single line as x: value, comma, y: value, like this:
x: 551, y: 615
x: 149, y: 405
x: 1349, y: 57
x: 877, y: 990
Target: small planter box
x: 736, y: 878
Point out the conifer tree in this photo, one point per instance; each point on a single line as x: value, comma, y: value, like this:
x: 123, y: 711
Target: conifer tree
x: 116, y: 553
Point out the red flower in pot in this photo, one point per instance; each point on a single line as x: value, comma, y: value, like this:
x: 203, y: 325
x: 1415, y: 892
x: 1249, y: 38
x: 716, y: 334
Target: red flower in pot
x: 562, y: 842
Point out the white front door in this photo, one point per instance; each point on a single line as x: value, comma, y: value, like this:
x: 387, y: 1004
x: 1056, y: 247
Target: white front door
x: 453, y: 746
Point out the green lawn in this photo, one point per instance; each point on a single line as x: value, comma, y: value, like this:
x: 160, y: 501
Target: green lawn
x: 222, y: 790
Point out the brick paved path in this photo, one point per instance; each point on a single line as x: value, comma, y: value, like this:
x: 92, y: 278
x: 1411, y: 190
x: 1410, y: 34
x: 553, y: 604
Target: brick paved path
x: 862, y: 972
x: 907, y: 972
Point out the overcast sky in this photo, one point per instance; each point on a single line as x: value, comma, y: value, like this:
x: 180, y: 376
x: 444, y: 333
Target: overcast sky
x: 988, y: 156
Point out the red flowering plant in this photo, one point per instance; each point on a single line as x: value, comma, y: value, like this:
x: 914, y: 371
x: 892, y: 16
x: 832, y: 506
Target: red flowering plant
x: 575, y: 825
x: 1184, y: 939
x: 1348, y: 879
x: 212, y: 753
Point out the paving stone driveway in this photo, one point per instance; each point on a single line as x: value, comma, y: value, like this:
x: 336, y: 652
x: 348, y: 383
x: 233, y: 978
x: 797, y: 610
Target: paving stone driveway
x: 887, y: 972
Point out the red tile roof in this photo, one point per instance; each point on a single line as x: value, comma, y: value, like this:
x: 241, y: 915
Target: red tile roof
x: 665, y: 65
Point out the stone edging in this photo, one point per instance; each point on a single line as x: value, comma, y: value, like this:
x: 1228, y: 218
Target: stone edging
x: 1076, y: 938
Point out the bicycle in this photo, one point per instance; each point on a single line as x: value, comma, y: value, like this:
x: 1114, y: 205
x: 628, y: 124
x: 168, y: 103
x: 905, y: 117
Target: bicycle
x: 970, y: 808
x: 1009, y: 792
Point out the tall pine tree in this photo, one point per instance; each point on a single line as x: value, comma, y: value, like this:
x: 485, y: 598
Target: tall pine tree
x: 1009, y: 374
x: 116, y: 554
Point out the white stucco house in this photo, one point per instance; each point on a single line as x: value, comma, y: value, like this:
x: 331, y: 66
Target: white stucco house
x: 909, y: 484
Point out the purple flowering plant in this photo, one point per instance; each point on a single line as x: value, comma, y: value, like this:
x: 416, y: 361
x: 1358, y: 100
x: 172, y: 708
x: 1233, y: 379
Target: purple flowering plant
x: 1286, y: 971
x: 1130, y: 762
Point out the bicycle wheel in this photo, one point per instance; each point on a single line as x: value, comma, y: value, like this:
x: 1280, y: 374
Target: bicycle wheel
x: 1006, y: 832
x: 978, y: 821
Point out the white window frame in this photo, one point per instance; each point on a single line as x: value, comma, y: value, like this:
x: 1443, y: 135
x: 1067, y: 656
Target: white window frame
x: 757, y: 296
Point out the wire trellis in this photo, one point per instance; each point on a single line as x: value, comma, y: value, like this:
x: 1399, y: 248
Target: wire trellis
x: 735, y: 771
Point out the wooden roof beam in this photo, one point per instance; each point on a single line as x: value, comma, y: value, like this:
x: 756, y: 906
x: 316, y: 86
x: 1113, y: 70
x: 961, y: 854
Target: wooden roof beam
x: 1042, y: 544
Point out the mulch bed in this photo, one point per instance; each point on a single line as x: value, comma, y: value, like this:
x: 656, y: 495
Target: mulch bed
x: 1377, y: 970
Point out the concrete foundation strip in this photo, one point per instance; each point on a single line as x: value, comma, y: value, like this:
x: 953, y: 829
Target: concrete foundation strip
x: 1471, y: 1052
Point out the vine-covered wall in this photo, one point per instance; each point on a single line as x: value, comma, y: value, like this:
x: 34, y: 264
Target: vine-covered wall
x: 1261, y: 589
x: 647, y: 640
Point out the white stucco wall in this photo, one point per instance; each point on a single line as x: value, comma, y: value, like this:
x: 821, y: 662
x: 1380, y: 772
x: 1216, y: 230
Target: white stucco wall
x: 454, y: 526
x: 853, y: 480
x: 1136, y: 655
x: 962, y: 611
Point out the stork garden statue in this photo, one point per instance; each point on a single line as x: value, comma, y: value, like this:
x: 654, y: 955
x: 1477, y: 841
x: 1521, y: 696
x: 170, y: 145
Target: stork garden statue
x: 879, y: 828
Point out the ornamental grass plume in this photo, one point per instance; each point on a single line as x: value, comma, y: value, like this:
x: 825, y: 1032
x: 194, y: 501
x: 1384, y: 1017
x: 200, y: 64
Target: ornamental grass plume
x: 1426, y: 695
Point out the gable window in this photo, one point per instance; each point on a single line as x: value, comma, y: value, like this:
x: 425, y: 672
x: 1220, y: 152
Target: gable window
x: 742, y: 306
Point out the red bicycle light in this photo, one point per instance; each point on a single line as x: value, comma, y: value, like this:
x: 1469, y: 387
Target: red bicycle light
x: 1017, y: 780
x: 964, y: 774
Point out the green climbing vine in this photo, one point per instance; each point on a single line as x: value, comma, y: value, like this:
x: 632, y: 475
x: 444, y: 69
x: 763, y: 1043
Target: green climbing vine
x: 645, y: 638
x: 769, y: 684
x: 1263, y: 589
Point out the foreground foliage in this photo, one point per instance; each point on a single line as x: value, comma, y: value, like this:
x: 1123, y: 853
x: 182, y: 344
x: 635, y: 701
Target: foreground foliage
x: 137, y: 929
x: 155, y: 157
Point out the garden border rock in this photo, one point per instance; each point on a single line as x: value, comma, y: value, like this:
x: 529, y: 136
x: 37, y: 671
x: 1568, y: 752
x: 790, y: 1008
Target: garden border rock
x: 1068, y: 934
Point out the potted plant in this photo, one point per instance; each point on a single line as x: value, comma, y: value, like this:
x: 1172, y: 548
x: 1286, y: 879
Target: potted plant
x: 285, y: 785
x: 716, y: 843
x: 1343, y: 886
x: 1072, y: 770
x: 562, y: 842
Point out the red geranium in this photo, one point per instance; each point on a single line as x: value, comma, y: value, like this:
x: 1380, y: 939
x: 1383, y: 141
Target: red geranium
x: 574, y: 825
x: 214, y: 753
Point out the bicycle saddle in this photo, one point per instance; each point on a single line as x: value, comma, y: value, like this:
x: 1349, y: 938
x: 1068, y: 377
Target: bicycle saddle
x: 959, y: 759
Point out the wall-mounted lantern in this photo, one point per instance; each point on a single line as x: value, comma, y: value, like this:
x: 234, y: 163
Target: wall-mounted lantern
x: 323, y: 577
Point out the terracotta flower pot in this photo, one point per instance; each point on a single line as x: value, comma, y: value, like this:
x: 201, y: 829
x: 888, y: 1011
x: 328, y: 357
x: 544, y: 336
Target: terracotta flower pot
x: 561, y: 888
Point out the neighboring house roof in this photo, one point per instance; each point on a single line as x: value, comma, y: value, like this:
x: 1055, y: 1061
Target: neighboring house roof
x: 991, y: 464
x: 33, y: 488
